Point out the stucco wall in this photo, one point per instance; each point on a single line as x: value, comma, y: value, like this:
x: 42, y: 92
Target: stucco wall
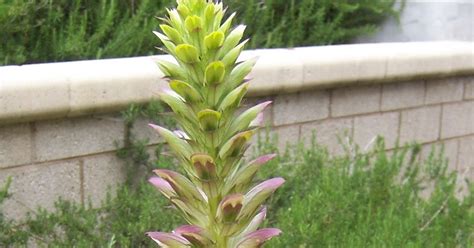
x: 429, y: 20
x: 362, y: 91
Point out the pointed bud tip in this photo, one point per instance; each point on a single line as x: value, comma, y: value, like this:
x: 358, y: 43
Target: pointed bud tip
x: 265, y: 158
x: 273, y: 183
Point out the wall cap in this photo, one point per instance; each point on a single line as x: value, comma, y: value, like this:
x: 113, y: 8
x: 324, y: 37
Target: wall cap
x: 68, y: 89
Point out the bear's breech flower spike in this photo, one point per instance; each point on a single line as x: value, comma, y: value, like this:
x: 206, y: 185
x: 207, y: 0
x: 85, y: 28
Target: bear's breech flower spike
x: 216, y: 193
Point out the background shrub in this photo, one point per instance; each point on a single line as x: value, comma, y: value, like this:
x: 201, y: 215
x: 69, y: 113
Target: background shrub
x: 36, y: 31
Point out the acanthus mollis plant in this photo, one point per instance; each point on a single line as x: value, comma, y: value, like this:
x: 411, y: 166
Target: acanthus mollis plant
x: 216, y: 194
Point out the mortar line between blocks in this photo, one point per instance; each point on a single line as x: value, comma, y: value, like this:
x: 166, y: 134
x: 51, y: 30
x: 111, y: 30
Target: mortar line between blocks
x: 440, y: 122
x: 81, y: 180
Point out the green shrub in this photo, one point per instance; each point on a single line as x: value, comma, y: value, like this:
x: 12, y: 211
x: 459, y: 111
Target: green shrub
x: 371, y: 200
x: 362, y: 200
x: 36, y: 31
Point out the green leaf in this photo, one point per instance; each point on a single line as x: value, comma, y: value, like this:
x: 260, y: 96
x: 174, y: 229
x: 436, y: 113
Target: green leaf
x: 179, y: 146
x: 243, y: 121
x: 172, y: 34
x: 233, y: 39
x: 233, y: 99
x: 171, y: 70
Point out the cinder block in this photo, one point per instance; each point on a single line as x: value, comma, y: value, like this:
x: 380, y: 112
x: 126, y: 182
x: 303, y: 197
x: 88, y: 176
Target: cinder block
x: 15, y: 145
x: 367, y: 128
x: 330, y: 133
x: 286, y: 136
x: 420, y: 125
x: 466, y: 157
x: 403, y: 95
x: 458, y: 119
x: 77, y: 136
x: 444, y: 90
x: 355, y: 100
x: 40, y: 185
x: 469, y: 88
x: 301, y: 107
x: 102, y: 174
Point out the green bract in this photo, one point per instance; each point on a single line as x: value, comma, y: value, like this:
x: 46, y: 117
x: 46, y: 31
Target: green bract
x: 216, y: 195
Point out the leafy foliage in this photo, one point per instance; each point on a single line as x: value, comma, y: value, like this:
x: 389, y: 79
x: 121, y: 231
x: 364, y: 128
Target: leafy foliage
x: 362, y: 200
x: 61, y: 30
x: 371, y: 200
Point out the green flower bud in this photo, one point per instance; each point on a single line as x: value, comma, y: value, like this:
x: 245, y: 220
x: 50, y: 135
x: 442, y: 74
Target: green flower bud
x: 204, y: 166
x: 183, y: 10
x: 187, y: 53
x: 209, y: 16
x: 209, y: 119
x: 214, y: 40
x: 172, y: 34
x: 230, y: 207
x: 215, y: 73
x: 185, y: 90
x: 193, y: 24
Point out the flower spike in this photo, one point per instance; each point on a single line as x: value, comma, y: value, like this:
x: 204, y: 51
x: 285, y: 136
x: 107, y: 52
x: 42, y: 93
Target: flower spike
x: 206, y: 88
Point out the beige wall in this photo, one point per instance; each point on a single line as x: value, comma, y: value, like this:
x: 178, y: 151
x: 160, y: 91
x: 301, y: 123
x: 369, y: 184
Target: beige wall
x: 74, y: 157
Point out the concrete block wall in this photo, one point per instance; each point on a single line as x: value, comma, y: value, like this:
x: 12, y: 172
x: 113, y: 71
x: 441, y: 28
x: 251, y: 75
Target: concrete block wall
x: 432, y: 112
x: 68, y: 150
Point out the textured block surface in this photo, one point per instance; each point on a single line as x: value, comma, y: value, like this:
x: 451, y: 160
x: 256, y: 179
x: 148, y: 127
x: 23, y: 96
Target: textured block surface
x: 421, y: 125
x: 403, y: 95
x: 102, y: 174
x: 287, y: 136
x: 458, y: 119
x: 77, y: 136
x: 40, y: 185
x: 355, y: 100
x: 15, y: 145
x: 331, y: 133
x: 469, y: 88
x: 444, y: 90
x: 301, y: 107
x: 367, y: 128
